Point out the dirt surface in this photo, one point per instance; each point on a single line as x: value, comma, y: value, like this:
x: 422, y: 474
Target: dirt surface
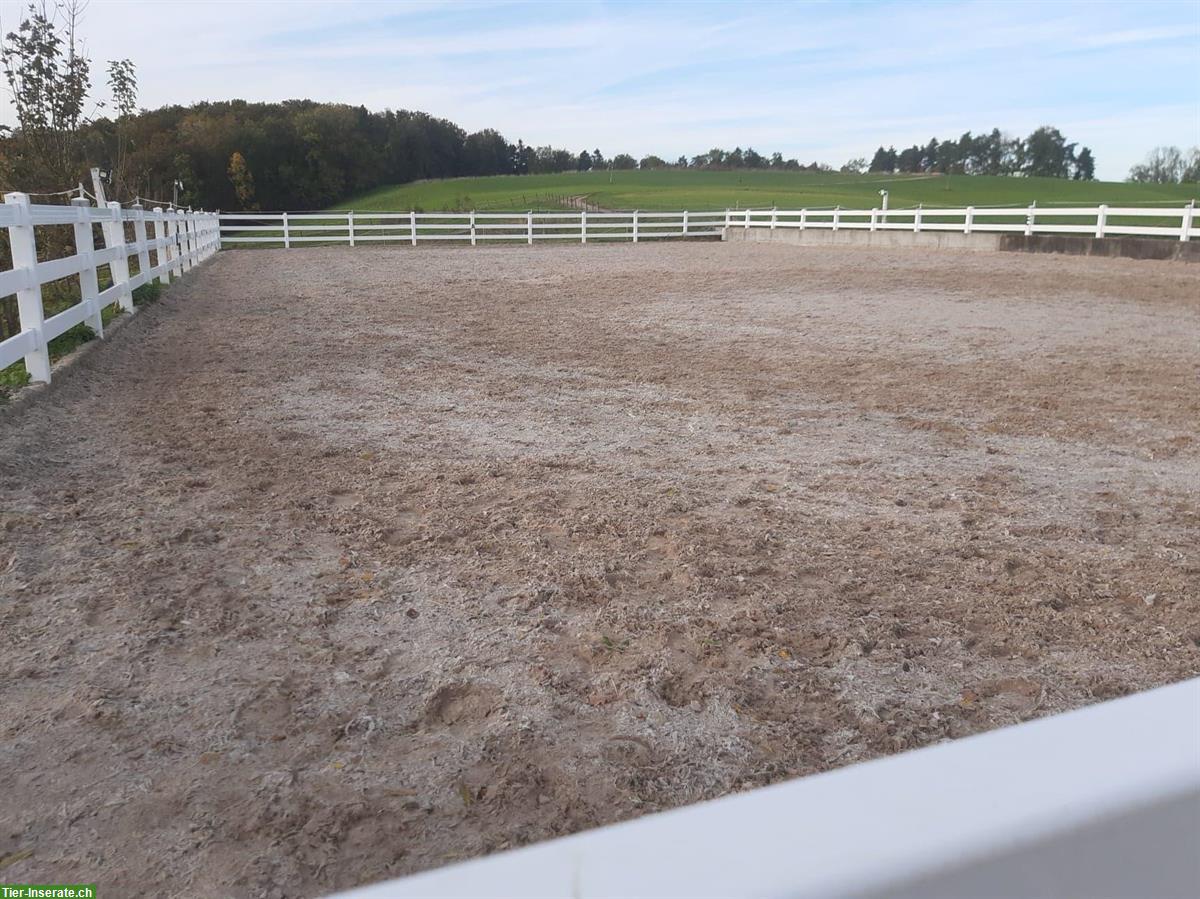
x: 338, y: 564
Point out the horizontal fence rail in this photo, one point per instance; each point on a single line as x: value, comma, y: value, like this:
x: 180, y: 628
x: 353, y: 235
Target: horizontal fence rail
x: 1101, y: 801
x: 1093, y: 221
x: 290, y: 229
x: 180, y: 240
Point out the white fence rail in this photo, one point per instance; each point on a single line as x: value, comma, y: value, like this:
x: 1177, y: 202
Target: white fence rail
x: 1102, y: 801
x: 180, y: 241
x: 289, y: 229
x: 1093, y: 221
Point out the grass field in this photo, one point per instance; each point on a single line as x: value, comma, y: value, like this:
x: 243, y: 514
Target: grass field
x: 676, y: 189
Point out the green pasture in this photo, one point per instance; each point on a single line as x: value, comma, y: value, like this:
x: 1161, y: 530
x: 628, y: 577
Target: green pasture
x: 686, y: 189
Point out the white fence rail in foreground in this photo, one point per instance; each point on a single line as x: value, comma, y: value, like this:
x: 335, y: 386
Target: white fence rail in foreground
x: 180, y: 240
x: 290, y: 229
x: 1103, y: 801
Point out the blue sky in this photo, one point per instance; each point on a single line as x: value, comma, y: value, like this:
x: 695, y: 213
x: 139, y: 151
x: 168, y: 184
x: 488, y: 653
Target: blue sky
x: 823, y: 81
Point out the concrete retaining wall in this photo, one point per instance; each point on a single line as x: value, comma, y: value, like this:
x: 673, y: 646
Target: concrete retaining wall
x: 826, y: 237
x: 1128, y: 247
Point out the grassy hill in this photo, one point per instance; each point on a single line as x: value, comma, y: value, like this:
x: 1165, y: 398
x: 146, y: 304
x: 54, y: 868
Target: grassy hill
x: 686, y: 189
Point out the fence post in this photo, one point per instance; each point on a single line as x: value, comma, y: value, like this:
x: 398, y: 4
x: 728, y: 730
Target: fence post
x: 160, y: 254
x: 350, y: 225
x: 728, y: 218
x: 970, y: 220
x: 529, y: 228
x: 1029, y: 218
x: 186, y: 224
x: 583, y: 225
x: 917, y: 219
x: 774, y: 216
x: 685, y: 223
x: 177, y: 245
x: 803, y: 219
x: 139, y: 235
x: 635, y: 226
x: 472, y: 227
x: 873, y: 213
x: 412, y: 226
x: 1101, y: 219
x: 85, y: 246
x: 23, y: 245
x: 172, y: 249
x: 747, y: 228
x: 1189, y: 216
x: 837, y: 215
x: 287, y: 237
x: 114, y: 232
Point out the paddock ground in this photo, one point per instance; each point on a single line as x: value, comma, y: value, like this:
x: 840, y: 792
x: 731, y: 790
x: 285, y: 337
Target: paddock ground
x: 338, y: 564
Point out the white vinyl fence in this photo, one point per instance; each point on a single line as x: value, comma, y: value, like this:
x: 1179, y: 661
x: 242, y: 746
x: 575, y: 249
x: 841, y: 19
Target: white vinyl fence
x: 180, y: 240
x: 1092, y: 221
x: 1102, y: 801
x: 579, y: 226
x: 291, y: 229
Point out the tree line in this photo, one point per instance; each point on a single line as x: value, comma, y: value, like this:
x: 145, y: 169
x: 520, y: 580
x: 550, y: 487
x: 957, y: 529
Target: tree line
x: 1045, y: 153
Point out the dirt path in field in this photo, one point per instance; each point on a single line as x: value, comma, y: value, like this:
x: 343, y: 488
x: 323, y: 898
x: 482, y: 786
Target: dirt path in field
x: 340, y: 564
